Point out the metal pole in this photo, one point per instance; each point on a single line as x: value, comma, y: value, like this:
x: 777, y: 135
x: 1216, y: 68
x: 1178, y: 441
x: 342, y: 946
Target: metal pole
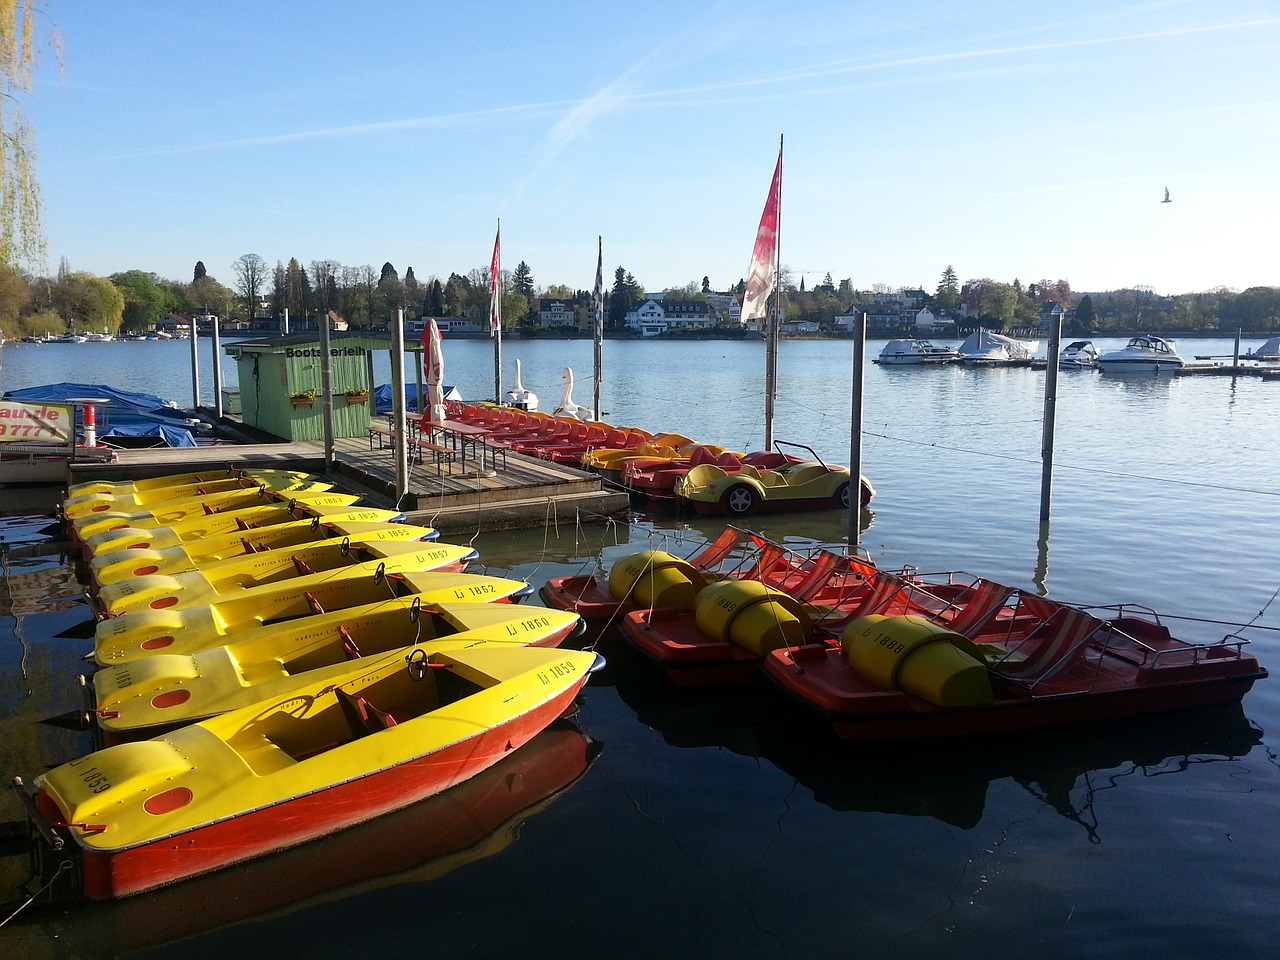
x: 398, y: 425
x: 217, y: 372
x: 855, y: 431
x: 1235, y: 363
x: 195, y: 365
x: 285, y: 329
x: 772, y: 319
x: 1050, y: 410
x: 495, y: 311
x: 326, y: 388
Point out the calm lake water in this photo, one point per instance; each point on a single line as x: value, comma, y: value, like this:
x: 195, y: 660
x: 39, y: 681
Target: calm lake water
x: 731, y: 823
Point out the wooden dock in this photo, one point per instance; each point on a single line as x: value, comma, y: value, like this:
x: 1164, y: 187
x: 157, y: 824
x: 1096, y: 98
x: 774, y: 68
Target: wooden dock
x: 457, y: 498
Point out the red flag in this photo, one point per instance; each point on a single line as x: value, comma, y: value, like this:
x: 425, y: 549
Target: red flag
x: 761, y: 277
x: 495, y: 309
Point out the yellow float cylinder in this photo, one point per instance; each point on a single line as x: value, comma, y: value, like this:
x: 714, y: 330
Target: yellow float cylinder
x: 654, y: 578
x: 918, y: 657
x: 750, y: 615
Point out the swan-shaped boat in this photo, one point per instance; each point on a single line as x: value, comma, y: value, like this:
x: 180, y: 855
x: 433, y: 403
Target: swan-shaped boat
x: 518, y: 396
x: 567, y: 407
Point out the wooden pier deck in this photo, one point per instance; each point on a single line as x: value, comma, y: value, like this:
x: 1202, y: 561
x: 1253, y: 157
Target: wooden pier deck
x: 459, y: 498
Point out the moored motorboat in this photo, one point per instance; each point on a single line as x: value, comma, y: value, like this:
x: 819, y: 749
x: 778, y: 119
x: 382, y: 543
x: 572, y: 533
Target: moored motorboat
x: 146, y: 632
x: 905, y: 678
x: 915, y: 353
x: 1142, y: 354
x: 983, y: 348
x: 283, y: 771
x: 1078, y: 355
x: 142, y: 697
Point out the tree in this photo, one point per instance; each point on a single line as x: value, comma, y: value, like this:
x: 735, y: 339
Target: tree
x: 522, y: 280
x: 21, y: 227
x: 1085, y: 319
x: 199, y: 272
x: 251, y: 274
x: 145, y: 300
x: 947, y: 297
x: 15, y: 294
x: 208, y: 294
x: 324, y: 274
x: 89, y: 303
x: 706, y: 284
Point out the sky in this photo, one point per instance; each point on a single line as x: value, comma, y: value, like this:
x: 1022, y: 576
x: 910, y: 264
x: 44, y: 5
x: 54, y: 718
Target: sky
x: 1010, y: 140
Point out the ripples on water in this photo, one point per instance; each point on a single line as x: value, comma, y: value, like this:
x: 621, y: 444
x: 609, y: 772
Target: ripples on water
x: 731, y: 824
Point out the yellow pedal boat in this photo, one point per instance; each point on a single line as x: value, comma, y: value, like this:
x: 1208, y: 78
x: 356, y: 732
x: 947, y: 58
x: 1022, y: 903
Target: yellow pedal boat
x: 143, y: 633
x: 86, y: 504
x: 174, y: 480
x: 323, y: 506
x: 144, y: 697
x: 283, y: 771
x: 185, y: 557
x: 169, y: 512
x: 225, y: 579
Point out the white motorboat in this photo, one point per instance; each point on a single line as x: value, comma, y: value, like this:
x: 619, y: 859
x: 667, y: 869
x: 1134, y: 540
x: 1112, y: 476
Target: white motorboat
x: 1078, y: 355
x: 984, y: 348
x: 1143, y: 354
x: 915, y: 352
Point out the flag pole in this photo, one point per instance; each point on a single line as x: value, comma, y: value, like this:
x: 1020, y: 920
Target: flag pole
x: 599, y: 325
x: 771, y: 320
x: 495, y: 313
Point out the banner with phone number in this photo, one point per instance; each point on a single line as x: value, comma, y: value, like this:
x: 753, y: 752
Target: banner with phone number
x: 36, y: 422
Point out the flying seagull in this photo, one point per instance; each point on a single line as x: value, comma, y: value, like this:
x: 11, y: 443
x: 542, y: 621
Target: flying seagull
x: 1166, y: 196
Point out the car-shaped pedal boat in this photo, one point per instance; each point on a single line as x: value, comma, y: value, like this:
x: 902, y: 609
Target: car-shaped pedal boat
x: 804, y: 485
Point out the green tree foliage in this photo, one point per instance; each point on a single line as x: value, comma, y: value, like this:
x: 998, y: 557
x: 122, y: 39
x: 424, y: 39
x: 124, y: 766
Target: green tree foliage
x: 522, y: 280
x: 947, y: 296
x: 208, y: 294
x: 146, y: 299
x: 199, y: 271
x: 21, y: 224
x: 89, y: 303
x: 1084, y: 318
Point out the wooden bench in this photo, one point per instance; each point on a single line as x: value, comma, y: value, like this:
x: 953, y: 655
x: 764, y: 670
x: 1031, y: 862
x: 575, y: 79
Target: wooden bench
x: 439, y: 452
x: 379, y: 429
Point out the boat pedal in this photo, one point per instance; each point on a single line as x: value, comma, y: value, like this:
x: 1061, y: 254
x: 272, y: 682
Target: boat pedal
x: 313, y: 603
x: 301, y: 566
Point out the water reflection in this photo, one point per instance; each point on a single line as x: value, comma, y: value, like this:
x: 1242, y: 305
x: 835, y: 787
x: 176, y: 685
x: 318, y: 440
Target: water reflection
x: 419, y: 844
x: 948, y: 782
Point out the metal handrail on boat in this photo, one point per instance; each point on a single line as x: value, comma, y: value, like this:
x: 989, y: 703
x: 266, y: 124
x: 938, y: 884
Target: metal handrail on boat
x: 801, y: 446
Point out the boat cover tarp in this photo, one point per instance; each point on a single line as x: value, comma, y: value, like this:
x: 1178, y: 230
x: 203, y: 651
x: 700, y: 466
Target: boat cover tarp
x: 1269, y: 349
x: 382, y: 396
x: 172, y: 436
x: 982, y: 342
x: 123, y: 407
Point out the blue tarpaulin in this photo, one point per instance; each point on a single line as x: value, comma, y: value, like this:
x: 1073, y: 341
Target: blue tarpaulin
x: 123, y: 408
x: 382, y: 396
x: 170, y: 436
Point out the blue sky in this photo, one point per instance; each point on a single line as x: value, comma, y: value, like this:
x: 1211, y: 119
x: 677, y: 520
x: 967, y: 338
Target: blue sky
x: 1009, y: 139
